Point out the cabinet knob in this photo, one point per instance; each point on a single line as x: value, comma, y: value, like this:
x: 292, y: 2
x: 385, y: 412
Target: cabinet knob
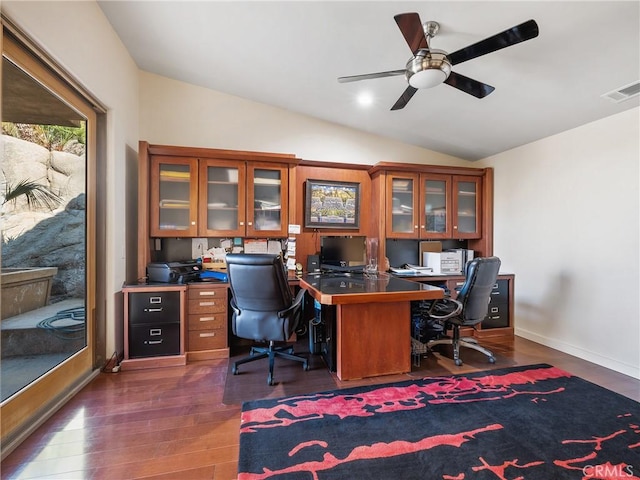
x: 242, y: 224
x: 249, y: 223
x: 193, y: 223
x: 455, y: 227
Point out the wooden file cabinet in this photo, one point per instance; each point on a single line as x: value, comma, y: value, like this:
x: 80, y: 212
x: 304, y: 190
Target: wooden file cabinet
x: 207, y: 321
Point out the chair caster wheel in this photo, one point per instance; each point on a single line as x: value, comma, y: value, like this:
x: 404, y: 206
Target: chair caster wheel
x: 492, y: 360
x: 305, y: 366
x: 234, y: 370
x: 458, y: 362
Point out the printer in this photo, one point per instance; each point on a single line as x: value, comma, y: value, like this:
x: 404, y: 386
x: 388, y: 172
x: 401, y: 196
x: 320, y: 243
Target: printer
x: 173, y: 272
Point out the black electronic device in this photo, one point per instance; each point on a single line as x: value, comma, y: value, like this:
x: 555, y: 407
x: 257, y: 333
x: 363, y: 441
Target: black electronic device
x: 313, y: 263
x: 173, y: 272
x: 342, y: 253
x: 322, y: 338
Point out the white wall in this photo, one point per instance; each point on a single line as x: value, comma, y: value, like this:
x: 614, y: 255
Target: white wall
x: 81, y: 40
x: 566, y: 218
x: 177, y: 113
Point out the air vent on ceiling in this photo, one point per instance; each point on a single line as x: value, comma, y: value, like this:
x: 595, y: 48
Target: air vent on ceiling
x: 624, y: 93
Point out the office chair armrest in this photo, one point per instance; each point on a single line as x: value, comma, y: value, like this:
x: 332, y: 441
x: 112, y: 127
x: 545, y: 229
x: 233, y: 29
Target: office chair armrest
x: 296, y: 303
x: 439, y: 306
x: 233, y: 306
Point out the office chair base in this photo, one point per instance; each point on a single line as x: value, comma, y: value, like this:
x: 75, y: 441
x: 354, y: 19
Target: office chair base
x: 467, y: 342
x: 270, y: 352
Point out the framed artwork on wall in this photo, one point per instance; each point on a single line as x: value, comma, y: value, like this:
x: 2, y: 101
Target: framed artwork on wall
x: 330, y: 204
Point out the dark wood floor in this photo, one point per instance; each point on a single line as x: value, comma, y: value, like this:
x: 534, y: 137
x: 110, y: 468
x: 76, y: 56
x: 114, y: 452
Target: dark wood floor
x: 183, y: 422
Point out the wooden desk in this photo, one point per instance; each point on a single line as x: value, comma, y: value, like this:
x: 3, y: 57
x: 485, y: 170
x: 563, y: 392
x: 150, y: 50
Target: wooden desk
x: 373, y: 320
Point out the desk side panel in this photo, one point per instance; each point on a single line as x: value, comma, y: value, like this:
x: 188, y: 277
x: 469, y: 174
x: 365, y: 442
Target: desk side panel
x: 373, y: 339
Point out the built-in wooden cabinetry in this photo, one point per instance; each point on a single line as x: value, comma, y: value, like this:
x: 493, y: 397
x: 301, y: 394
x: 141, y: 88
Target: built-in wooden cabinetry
x: 434, y: 203
x: 207, y: 321
x: 204, y: 192
x: 243, y: 199
x: 209, y: 197
x: 432, y: 206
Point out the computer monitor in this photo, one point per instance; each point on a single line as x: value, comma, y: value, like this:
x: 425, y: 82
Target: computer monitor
x: 342, y: 253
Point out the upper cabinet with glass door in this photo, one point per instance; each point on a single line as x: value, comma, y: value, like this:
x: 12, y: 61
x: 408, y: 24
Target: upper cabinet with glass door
x: 243, y: 199
x: 174, y: 201
x: 432, y: 206
x: 267, y: 200
x: 402, y: 213
x: 451, y: 206
x: 466, y: 210
x: 222, y: 198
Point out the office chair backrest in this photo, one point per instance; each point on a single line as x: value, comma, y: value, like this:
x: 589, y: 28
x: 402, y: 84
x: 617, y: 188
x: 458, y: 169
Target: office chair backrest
x: 258, y: 282
x: 481, y: 276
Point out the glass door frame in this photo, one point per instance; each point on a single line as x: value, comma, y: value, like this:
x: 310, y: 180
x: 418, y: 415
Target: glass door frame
x: 21, y: 412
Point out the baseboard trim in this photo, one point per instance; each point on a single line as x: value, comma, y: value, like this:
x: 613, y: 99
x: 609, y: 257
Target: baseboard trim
x: 603, y: 361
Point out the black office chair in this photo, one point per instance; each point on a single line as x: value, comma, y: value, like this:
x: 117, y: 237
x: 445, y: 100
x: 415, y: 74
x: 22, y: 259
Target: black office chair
x: 469, y: 308
x: 264, y: 309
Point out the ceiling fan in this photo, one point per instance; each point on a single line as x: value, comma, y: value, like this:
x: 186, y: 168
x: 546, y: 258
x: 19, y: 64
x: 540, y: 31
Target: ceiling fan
x: 430, y: 67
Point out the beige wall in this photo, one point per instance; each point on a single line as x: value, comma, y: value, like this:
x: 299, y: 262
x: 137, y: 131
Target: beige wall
x: 567, y: 224
x: 177, y: 113
x: 81, y: 40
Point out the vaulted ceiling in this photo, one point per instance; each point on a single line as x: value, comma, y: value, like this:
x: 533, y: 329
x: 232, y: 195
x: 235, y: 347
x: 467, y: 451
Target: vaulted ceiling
x: 289, y: 55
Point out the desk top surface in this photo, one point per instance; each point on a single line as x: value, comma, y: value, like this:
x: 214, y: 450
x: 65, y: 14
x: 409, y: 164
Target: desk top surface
x: 341, y: 288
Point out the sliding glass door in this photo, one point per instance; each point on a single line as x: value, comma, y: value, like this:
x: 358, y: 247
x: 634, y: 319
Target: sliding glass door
x: 47, y: 188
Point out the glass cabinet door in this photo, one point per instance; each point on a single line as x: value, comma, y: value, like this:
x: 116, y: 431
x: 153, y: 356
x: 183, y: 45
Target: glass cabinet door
x: 267, y: 201
x: 401, y: 218
x: 436, y: 216
x: 222, y: 198
x: 174, y: 199
x: 466, y: 207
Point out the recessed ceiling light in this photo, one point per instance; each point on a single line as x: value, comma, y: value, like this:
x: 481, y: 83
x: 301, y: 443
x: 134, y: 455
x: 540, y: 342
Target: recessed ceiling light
x: 365, y: 99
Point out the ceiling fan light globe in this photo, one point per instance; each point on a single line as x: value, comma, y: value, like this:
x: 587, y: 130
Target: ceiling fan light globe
x: 427, y: 78
x: 428, y: 68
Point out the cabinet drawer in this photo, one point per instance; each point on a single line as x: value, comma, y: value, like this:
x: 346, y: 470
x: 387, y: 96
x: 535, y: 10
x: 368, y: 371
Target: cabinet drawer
x: 154, y: 307
x: 207, y: 339
x: 207, y: 305
x: 497, y: 316
x: 208, y: 321
x: 209, y: 292
x: 500, y: 291
x: 152, y: 340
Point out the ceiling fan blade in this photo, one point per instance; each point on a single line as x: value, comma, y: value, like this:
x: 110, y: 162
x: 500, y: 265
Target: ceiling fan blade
x: 404, y: 98
x: 517, y: 34
x: 367, y: 76
x: 412, y: 30
x: 469, y: 85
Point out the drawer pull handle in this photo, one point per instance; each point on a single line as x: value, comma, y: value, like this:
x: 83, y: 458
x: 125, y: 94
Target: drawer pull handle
x: 495, y: 287
x: 204, y: 335
x: 207, y: 319
x: 155, y: 299
x: 153, y: 309
x: 155, y: 331
x: 494, y: 309
x: 207, y: 304
x: 154, y: 342
x: 209, y: 294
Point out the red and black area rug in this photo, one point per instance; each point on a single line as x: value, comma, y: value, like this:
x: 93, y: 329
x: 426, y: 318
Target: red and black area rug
x: 528, y: 422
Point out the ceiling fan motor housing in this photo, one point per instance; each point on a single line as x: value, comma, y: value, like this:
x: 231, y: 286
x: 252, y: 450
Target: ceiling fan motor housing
x: 428, y: 68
